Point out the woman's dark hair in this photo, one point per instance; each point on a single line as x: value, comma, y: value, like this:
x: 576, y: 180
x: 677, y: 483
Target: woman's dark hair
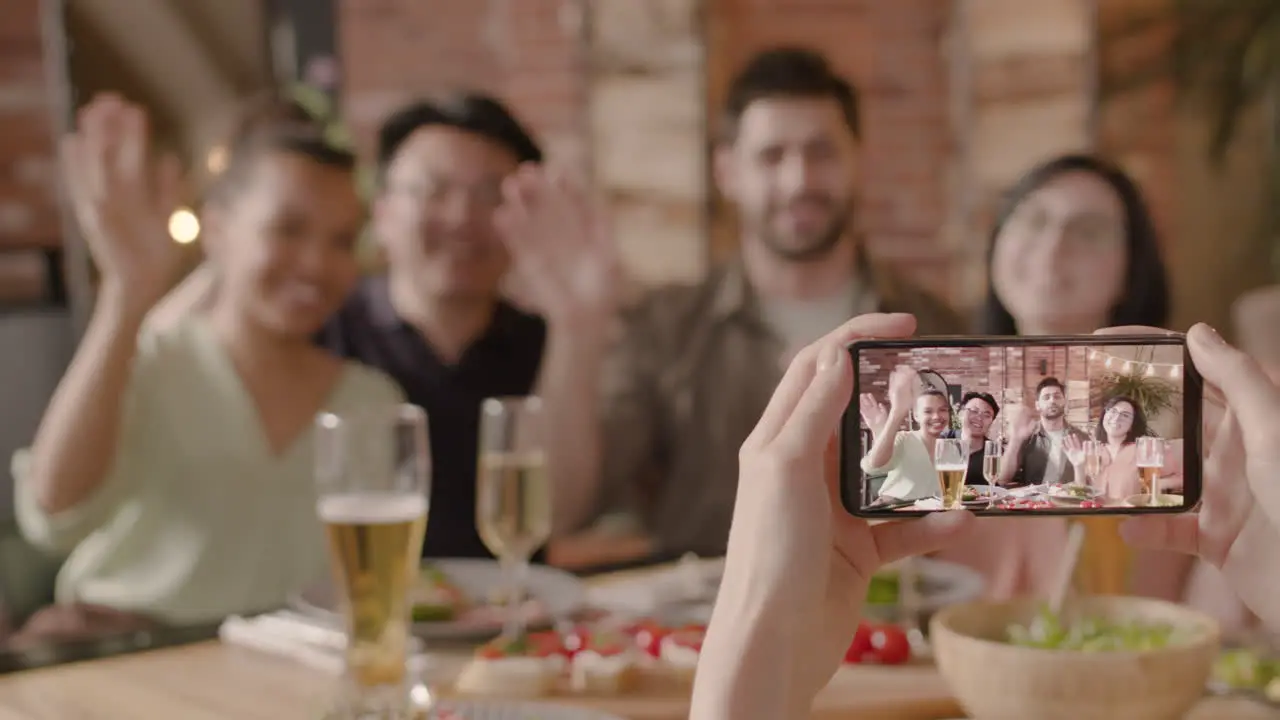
x: 274, y: 123
x: 1144, y: 299
x: 1136, y: 430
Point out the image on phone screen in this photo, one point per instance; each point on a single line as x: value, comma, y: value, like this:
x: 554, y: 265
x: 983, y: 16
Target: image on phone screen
x: 1070, y: 425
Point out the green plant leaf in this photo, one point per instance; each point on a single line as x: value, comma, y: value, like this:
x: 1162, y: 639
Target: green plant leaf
x: 1154, y: 395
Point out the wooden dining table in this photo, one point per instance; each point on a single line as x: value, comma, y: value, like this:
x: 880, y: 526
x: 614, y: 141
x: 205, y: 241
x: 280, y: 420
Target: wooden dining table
x: 215, y: 681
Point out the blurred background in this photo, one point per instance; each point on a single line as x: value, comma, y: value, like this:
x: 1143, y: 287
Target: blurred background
x: 960, y: 97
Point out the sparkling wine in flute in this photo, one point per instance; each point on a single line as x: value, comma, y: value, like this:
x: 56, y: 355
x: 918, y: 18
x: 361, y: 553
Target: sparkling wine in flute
x: 1093, y: 465
x: 951, y: 479
x: 374, y: 542
x: 513, y: 505
x: 991, y: 467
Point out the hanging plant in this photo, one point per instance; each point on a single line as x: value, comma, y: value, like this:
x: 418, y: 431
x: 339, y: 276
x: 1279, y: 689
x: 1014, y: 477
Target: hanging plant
x: 1225, y: 55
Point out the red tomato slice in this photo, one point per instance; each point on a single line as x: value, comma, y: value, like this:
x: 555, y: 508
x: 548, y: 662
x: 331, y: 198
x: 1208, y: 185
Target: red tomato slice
x: 576, y: 641
x: 491, y: 652
x: 861, y: 645
x: 688, y: 638
x: 649, y: 640
x: 548, y: 643
x: 889, y: 645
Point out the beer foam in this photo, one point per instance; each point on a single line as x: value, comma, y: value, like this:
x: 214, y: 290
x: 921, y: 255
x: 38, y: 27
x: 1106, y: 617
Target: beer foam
x: 371, y: 508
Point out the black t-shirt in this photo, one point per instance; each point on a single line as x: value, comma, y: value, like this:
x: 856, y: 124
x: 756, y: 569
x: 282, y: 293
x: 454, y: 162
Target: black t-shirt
x: 973, y: 475
x: 504, y: 361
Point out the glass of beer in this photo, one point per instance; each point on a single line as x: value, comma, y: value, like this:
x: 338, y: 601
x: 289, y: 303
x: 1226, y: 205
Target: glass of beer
x: 951, y: 462
x: 1150, y: 462
x: 513, y: 493
x: 373, y: 475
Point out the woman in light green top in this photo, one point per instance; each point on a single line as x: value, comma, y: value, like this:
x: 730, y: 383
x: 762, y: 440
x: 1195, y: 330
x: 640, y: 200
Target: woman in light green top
x: 907, y: 456
x: 174, y: 465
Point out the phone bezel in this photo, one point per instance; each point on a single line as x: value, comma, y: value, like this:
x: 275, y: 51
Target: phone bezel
x: 850, y: 441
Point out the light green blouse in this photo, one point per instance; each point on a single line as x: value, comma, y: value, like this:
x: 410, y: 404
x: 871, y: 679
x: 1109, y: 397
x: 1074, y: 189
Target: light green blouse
x: 197, y: 519
x: 911, y: 473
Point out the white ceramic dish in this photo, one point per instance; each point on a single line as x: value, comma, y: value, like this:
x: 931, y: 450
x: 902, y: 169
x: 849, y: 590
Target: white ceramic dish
x: 559, y: 594
x: 1059, y: 495
x: 943, y: 583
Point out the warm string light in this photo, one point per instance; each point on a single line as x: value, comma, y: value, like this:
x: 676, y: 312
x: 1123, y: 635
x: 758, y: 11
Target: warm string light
x: 1134, y: 367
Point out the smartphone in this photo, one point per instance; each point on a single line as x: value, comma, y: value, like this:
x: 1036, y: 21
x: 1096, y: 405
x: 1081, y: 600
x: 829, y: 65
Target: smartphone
x: 1015, y: 426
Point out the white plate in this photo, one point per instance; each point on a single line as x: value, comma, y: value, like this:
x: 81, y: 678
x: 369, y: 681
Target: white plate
x: 1054, y: 493
x: 984, y: 490
x: 562, y: 595
x: 498, y: 710
x: 947, y: 583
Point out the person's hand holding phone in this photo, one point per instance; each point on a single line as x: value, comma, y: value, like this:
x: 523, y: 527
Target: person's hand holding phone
x: 1237, y: 528
x: 798, y: 565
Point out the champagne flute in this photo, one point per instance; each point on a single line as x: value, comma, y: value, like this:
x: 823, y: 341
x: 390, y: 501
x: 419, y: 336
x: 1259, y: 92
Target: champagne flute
x: 1150, y: 462
x: 373, y: 477
x: 1092, y: 460
x: 513, y: 494
x: 951, y: 462
x: 992, y: 456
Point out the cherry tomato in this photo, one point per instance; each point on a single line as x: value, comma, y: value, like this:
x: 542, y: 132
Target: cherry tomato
x: 490, y: 653
x: 576, y: 641
x: 889, y: 645
x: 861, y: 645
x: 688, y: 638
x: 649, y: 640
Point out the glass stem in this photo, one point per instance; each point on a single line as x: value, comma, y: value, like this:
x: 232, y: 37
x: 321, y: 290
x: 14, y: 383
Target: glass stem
x: 516, y: 570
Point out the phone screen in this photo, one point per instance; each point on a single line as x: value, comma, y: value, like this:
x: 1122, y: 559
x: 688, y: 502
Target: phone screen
x: 1022, y: 426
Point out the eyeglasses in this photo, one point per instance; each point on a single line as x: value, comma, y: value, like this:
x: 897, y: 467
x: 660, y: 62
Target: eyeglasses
x: 979, y: 412
x: 434, y: 189
x: 1119, y: 414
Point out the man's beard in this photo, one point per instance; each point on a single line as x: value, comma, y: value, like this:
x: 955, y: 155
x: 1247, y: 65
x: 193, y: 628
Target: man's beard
x: 813, y: 248
x: 1053, y: 413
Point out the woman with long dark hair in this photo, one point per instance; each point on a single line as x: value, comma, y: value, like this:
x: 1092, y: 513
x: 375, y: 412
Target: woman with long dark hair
x: 1074, y: 248
x: 1123, y: 422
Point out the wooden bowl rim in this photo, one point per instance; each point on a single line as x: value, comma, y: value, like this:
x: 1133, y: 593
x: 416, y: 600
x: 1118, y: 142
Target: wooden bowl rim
x: 1211, y: 635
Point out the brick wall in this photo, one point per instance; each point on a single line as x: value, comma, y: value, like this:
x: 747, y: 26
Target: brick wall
x: 526, y: 51
x: 1009, y: 374
x: 29, y: 217
x: 1137, y: 122
x: 394, y: 49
